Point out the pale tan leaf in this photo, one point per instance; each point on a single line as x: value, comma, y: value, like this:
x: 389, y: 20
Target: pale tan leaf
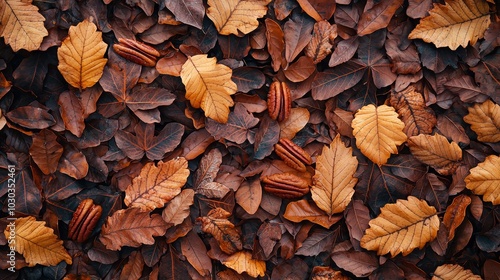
x: 453, y: 272
x: 455, y: 24
x: 81, y: 55
x: 178, y: 208
x: 37, y: 242
x: 378, y: 132
x: 401, y: 227
x: 484, y: 179
x: 249, y: 196
x: 297, y: 120
x: 243, y: 262
x: 157, y: 185
x: 209, y: 86
x: 298, y: 211
x: 131, y: 227
x: 334, y: 181
x: 21, y: 25
x: 226, y: 234
x: 484, y: 119
x: 234, y: 16
x: 320, y: 45
x: 436, y: 151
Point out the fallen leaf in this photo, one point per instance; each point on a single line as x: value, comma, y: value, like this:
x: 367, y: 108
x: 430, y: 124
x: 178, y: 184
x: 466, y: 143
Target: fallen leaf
x: 326, y: 273
x: 484, y: 178
x: 208, y: 86
x: 378, y: 132
x: 401, y: 227
x: 134, y: 267
x: 275, y: 43
x: 46, y: 151
x: 157, y: 185
x: 36, y: 242
x: 301, y: 210
x: 453, y: 272
x: 297, y: 120
x: 21, y: 25
x: 81, y: 55
x: 234, y: 16
x: 249, y: 196
x: 377, y: 17
x: 455, y: 214
x: 320, y: 45
x: 248, y: 78
x: 318, y: 9
x: 177, y: 209
x: 188, y: 12
x: 73, y: 163
x: 357, y: 217
x: 297, y: 31
x: 454, y: 24
x: 243, y: 262
x: 436, y: 151
x: 207, y: 169
x: 33, y: 117
x: 300, y: 70
x: 226, y: 234
x: 334, y: 181
x: 319, y: 240
x: 361, y: 264
x: 484, y: 119
x: 131, y: 227
x: 333, y: 81
x: 194, y: 250
x: 72, y: 112
x: 236, y: 128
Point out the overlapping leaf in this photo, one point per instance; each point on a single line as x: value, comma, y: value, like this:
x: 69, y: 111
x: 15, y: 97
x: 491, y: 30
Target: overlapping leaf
x: 226, y: 234
x: 302, y: 210
x: 484, y: 119
x: 453, y: 272
x: 377, y: 17
x: 46, y: 151
x: 401, y: 227
x: 436, y: 151
x: 320, y: 45
x: 234, y: 16
x: 177, y: 209
x: 236, y: 129
x: 243, y: 262
x: 484, y: 179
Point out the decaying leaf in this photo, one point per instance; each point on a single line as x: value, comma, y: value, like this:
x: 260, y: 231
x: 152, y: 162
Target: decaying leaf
x: 401, y: 227
x: 334, y: 179
x: 320, y: 45
x: 36, y: 242
x: 208, y: 86
x: 484, y: 119
x: 436, y: 151
x: 378, y: 132
x: 484, y: 179
x: 157, y: 185
x: 327, y: 273
x: 21, y: 25
x: 453, y: 272
x: 243, y: 262
x: 131, y: 227
x: 81, y: 55
x: 226, y: 234
x: 234, y: 16
x: 454, y: 24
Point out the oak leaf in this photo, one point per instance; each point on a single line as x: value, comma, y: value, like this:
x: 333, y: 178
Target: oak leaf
x: 298, y: 211
x: 484, y: 119
x: 37, y: 242
x: 454, y: 24
x: 453, y: 272
x: 81, y: 55
x: 244, y: 262
x: 401, y: 227
x: 226, y: 234
x: 208, y: 86
x: 131, y: 227
x: 436, y: 151
x: 334, y: 179
x: 484, y: 179
x: 234, y: 16
x: 378, y: 132
x: 321, y: 42
x: 157, y: 185
x: 177, y: 209
x: 21, y: 25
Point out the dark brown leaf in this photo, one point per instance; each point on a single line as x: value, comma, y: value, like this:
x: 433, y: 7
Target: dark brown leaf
x: 297, y: 34
x: 72, y: 112
x: 196, y: 253
x: 300, y: 70
x: 248, y: 78
x: 32, y: 117
x: 46, y: 151
x: 237, y: 128
x: 188, y: 12
x: 377, y: 16
x: 361, y: 264
x: 333, y: 81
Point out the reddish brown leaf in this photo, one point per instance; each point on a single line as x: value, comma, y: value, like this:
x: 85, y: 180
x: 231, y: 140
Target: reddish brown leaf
x: 357, y: 217
x: 298, y: 211
x: 333, y: 81
x: 275, y: 42
x: 249, y: 196
x: 208, y: 168
x: 226, y: 234
x: 320, y: 45
x: 34, y: 117
x: 188, y: 12
x: 344, y: 51
x: 361, y: 264
x: 196, y: 143
x: 119, y: 76
x: 455, y: 214
x: 319, y: 240
x: 133, y: 268
x: 74, y: 164
x: 237, y: 128
x: 196, y: 253
x: 248, y: 78
x: 177, y: 210
x: 72, y: 112
x: 377, y: 16
x: 297, y: 31
x: 46, y: 151
x: 171, y: 64
x: 318, y: 9
x: 300, y: 70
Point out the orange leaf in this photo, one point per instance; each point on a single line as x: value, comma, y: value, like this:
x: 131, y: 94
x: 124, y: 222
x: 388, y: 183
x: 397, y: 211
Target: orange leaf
x: 484, y: 179
x: 298, y: 211
x: 234, y: 16
x: 320, y: 45
x: 243, y: 262
x: 133, y: 268
x: 453, y: 272
x: 436, y: 151
x: 484, y: 119
x: 226, y: 234
x: 455, y: 214
x: 275, y: 42
x: 297, y: 120
x: 177, y: 210
x: 249, y: 196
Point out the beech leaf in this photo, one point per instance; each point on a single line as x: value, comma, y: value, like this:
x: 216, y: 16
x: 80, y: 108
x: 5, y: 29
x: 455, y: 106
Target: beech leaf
x: 454, y: 24
x: 377, y: 17
x: 81, y: 55
x: 195, y: 252
x: 378, y: 132
x: 484, y: 119
x: 453, y: 272
x: 334, y: 181
x: 157, y: 185
x: 208, y: 86
x: 249, y: 196
x: 72, y: 112
x: 297, y: 120
x: 484, y: 179
x: 401, y: 227
x: 234, y: 16
x: 244, y: 262
x: 436, y: 151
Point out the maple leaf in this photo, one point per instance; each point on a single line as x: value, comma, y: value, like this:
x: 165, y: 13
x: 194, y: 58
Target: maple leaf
x: 378, y: 132
x: 81, y: 55
x: 484, y: 119
x: 454, y: 24
x: 208, y: 86
x: 484, y: 179
x: 157, y: 185
x: 401, y: 227
x: 234, y: 16
x: 37, y: 242
x: 21, y: 25
x: 436, y: 151
x: 226, y: 234
x: 334, y: 179
x: 453, y: 272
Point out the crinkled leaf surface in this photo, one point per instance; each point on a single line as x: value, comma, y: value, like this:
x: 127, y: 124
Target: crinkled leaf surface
x: 234, y: 16
x: 484, y: 119
x: 436, y: 151
x: 484, y: 179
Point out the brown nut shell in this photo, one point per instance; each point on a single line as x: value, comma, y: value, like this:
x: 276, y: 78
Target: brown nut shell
x: 285, y: 185
x: 84, y: 220
x: 293, y: 155
x: 279, y: 101
x: 137, y: 52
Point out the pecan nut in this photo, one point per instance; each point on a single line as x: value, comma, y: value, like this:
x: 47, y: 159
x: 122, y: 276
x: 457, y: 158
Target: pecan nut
x: 279, y: 101
x: 84, y: 220
x: 137, y: 52
x: 285, y: 185
x: 293, y: 155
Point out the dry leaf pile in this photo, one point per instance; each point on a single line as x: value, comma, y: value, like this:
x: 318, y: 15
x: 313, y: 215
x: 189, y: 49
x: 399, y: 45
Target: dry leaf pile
x: 237, y: 139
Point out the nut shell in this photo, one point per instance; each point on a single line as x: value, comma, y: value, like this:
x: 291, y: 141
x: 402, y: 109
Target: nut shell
x: 285, y: 185
x: 137, y: 52
x: 279, y: 101
x: 84, y: 220
x: 293, y: 155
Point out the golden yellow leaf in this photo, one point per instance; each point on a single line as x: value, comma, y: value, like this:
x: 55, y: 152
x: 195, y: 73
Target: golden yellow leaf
x: 157, y: 185
x: 242, y: 261
x: 484, y: 179
x: 21, y: 25
x: 378, y: 132
x: 455, y: 24
x: 37, y: 242
x: 81, y: 55
x: 436, y: 151
x: 297, y: 120
x: 484, y: 119
x: 453, y: 272
x: 209, y: 86
x: 231, y: 16
x: 334, y: 179
x: 401, y: 227
x: 226, y: 234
